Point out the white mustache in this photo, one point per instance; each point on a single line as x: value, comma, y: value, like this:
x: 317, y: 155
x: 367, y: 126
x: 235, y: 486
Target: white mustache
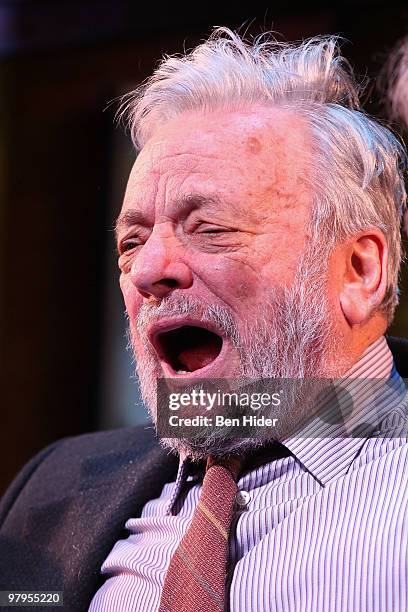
x: 218, y: 316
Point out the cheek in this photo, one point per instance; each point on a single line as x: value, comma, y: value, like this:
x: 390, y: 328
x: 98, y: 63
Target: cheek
x: 232, y: 278
x: 131, y: 297
x: 282, y: 258
x: 244, y: 285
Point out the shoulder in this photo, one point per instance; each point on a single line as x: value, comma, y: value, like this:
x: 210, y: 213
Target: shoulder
x: 138, y: 440
x: 67, y: 507
x: 59, y: 464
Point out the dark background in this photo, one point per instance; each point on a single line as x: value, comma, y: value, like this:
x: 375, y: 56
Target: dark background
x: 63, y: 167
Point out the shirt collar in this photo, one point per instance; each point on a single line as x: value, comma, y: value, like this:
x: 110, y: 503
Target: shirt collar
x: 326, y: 458
x: 374, y: 389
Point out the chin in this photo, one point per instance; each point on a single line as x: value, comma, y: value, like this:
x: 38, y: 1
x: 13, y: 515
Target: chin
x: 199, y: 448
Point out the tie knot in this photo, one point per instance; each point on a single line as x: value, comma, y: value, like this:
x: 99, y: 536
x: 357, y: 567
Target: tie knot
x: 232, y: 464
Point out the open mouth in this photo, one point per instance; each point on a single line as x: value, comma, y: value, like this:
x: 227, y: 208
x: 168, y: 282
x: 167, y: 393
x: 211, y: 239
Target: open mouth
x: 188, y: 348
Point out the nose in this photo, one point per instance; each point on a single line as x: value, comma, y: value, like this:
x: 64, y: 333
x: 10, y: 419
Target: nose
x: 159, y: 268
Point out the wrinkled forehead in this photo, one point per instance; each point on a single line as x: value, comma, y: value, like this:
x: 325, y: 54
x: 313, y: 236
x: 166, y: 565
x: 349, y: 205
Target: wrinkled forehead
x: 256, y: 153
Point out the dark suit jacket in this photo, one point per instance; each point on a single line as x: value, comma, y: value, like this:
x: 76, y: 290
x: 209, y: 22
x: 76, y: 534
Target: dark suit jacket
x: 67, y: 507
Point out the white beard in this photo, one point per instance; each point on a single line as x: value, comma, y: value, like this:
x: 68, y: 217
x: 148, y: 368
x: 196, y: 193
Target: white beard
x: 292, y: 337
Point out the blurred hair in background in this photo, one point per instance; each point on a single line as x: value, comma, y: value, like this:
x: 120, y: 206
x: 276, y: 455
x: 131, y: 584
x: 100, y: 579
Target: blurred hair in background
x: 63, y: 170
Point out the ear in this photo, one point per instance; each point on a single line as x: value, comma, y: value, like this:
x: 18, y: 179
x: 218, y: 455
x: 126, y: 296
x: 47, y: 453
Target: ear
x: 365, y: 276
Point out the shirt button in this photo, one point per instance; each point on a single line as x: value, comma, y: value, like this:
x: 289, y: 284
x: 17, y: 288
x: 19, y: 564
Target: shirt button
x: 242, y: 498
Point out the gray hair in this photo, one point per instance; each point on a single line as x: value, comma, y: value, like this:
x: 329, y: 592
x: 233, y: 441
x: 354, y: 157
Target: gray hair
x: 357, y: 163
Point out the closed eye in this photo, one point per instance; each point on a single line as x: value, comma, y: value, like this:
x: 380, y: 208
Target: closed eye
x: 212, y: 229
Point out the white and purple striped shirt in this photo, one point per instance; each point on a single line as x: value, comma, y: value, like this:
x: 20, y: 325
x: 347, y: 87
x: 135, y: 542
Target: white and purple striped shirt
x: 322, y: 530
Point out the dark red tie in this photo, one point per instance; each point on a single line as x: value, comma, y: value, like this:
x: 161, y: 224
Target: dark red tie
x: 196, y: 577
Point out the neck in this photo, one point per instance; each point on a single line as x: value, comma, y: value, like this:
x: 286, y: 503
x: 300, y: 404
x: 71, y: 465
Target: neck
x: 356, y: 339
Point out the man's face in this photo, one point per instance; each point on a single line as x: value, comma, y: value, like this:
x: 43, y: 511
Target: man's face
x: 210, y: 236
